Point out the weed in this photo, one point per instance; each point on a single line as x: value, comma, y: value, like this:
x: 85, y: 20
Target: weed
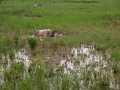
x: 32, y: 43
x: 65, y: 82
x: 11, y: 55
x: 77, y: 62
x: 16, y: 40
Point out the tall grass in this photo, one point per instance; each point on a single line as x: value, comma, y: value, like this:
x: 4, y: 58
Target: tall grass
x: 16, y: 40
x: 32, y: 43
x: 36, y: 79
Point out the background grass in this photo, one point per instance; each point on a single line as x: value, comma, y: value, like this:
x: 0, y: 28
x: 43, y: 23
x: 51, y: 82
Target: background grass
x: 82, y: 21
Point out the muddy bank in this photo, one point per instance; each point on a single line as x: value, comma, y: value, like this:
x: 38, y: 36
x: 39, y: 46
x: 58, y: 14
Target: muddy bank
x: 33, y: 17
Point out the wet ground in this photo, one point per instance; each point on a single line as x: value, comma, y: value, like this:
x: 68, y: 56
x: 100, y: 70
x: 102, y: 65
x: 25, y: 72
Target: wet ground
x: 78, y: 60
x: 19, y: 56
x: 84, y: 59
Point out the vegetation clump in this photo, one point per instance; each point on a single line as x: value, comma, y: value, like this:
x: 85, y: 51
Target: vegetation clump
x: 32, y: 43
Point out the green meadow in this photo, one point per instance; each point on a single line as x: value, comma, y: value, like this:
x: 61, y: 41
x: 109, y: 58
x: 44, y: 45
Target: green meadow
x: 95, y: 22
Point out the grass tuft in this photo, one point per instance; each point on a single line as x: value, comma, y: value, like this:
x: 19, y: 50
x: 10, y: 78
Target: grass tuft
x: 32, y: 43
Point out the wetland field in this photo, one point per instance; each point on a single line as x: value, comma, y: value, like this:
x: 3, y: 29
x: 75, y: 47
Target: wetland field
x: 82, y: 54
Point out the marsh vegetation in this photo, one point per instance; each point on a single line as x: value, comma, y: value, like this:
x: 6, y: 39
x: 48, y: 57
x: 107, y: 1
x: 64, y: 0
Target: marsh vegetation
x: 87, y: 57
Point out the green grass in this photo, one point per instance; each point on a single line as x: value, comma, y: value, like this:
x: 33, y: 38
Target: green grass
x: 80, y: 21
x: 16, y: 40
x: 32, y: 43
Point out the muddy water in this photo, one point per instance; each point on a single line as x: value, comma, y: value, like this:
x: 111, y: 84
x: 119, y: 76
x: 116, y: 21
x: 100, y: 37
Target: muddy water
x: 85, y: 58
x: 19, y: 56
x: 75, y: 60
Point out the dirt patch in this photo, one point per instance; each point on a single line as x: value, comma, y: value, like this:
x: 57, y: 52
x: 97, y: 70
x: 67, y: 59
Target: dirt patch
x: 35, y: 5
x: 33, y: 17
x: 56, y: 55
x: 79, y: 8
x: 84, y: 1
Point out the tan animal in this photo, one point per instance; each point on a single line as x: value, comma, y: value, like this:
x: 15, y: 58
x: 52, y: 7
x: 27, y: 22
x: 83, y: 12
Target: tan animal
x: 41, y: 34
x: 44, y: 33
